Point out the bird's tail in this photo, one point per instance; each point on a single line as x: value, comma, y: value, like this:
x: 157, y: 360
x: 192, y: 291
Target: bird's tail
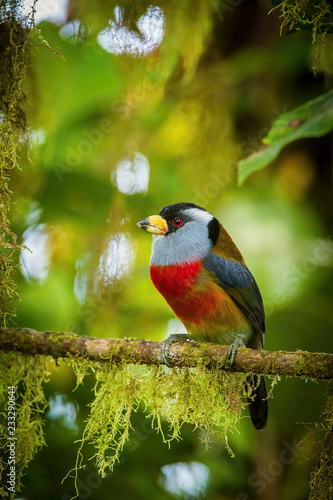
x: 257, y: 401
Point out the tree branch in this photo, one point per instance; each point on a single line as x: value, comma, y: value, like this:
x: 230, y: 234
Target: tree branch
x: 296, y: 364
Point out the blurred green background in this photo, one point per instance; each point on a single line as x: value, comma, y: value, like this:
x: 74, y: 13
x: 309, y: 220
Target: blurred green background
x: 139, y: 106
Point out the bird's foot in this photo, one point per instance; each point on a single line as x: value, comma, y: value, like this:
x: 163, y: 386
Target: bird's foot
x: 233, y: 349
x: 174, y: 337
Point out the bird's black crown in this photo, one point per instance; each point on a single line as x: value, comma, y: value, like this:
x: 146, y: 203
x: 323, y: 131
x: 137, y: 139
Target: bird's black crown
x: 173, y: 210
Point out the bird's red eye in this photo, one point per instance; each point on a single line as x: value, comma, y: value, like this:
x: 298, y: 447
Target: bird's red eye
x: 177, y: 222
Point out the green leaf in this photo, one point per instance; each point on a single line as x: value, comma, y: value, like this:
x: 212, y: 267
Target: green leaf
x: 312, y: 119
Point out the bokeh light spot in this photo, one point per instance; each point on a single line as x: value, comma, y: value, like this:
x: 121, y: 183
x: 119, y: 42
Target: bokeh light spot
x: 131, y: 174
x: 35, y: 264
x: 64, y: 410
x: 185, y: 480
x: 118, y: 259
x: 54, y: 11
x: 119, y: 39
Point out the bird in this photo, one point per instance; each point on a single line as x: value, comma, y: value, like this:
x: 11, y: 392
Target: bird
x: 198, y: 269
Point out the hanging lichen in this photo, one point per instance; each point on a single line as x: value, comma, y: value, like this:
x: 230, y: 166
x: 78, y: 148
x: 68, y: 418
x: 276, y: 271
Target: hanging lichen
x: 321, y: 484
x: 308, y: 15
x: 210, y: 400
x: 21, y: 398
x: 14, y: 31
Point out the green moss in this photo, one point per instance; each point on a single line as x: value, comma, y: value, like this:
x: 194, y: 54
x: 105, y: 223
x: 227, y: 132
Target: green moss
x: 305, y: 359
x: 321, y: 484
x: 13, y: 61
x: 307, y: 14
x: 210, y: 400
x: 26, y: 374
x: 303, y: 363
x: 8, y: 293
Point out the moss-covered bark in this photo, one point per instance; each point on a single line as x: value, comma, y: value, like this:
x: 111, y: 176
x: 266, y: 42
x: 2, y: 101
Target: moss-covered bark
x: 13, y: 61
x: 303, y: 364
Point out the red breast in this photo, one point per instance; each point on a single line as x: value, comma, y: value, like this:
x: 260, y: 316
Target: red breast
x: 187, y: 292
x: 175, y: 280
x: 196, y: 299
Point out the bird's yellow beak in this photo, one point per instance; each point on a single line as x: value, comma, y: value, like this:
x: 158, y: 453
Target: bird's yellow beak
x: 154, y: 225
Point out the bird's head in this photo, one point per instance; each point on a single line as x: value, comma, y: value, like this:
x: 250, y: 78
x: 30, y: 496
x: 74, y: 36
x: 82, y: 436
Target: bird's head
x: 182, y: 233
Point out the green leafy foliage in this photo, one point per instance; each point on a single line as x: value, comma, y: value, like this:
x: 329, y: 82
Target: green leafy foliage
x: 312, y: 119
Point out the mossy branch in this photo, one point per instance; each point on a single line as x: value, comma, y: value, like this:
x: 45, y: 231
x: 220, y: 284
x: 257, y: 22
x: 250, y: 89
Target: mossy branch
x: 303, y: 364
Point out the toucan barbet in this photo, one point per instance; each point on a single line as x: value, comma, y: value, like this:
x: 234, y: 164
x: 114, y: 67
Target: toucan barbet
x: 202, y: 275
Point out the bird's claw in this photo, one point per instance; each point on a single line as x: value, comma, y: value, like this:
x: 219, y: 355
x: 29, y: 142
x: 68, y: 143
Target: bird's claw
x: 174, y: 337
x: 233, y: 349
